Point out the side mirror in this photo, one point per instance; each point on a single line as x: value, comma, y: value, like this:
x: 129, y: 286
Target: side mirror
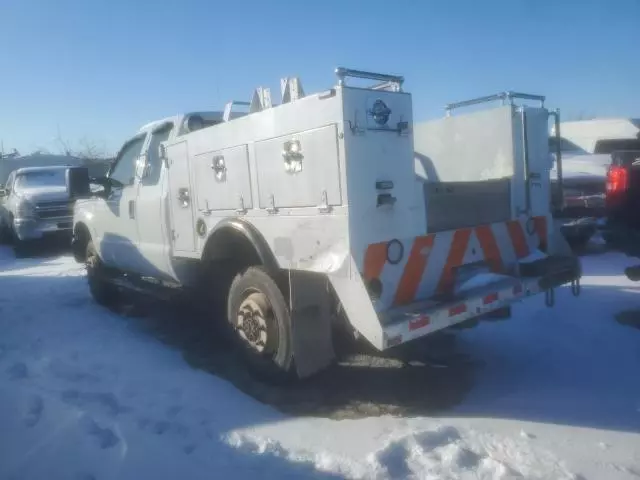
x: 3, y: 192
x: 78, y: 182
x: 96, y: 183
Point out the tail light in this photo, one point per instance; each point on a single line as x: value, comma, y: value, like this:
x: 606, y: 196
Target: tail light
x: 617, y: 180
x: 617, y: 184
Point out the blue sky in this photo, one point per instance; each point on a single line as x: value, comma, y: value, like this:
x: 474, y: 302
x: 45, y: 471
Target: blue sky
x: 99, y: 69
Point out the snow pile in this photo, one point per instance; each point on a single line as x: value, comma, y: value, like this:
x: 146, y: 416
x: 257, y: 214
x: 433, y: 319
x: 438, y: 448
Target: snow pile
x: 443, y: 452
x: 88, y: 394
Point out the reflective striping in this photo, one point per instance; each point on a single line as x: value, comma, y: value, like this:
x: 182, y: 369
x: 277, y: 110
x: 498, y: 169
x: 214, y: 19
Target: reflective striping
x: 421, y: 321
x: 490, y: 248
x: 541, y: 229
x: 455, y: 258
x: 374, y: 260
x: 457, y: 310
x: 446, y: 316
x: 413, y: 271
x: 492, y: 297
x: 429, y: 266
x: 518, y: 239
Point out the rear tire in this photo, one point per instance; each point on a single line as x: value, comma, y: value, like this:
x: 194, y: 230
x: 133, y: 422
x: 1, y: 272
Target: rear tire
x: 103, y: 292
x: 260, y: 319
x: 5, y: 234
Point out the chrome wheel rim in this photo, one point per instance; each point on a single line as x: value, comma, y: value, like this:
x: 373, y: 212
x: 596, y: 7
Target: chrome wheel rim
x: 253, y: 318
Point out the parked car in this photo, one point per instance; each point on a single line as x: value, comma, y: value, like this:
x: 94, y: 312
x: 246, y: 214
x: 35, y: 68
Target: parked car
x: 622, y: 227
x: 35, y: 204
x: 583, y: 181
x: 587, y: 147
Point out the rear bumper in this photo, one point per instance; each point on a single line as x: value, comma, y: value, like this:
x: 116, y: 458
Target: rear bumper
x: 34, y: 228
x: 416, y: 320
x: 622, y: 238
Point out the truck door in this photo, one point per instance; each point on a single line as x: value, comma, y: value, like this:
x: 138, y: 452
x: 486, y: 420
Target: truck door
x: 119, y: 243
x: 537, y: 160
x: 180, y: 198
x: 153, y: 230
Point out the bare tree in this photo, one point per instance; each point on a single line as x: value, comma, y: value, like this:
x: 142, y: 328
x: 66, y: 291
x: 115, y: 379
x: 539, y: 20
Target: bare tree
x: 65, y: 146
x: 85, y: 148
x: 91, y: 150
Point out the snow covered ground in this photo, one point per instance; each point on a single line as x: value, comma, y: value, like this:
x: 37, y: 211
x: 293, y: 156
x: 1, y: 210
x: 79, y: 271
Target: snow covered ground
x: 89, y: 394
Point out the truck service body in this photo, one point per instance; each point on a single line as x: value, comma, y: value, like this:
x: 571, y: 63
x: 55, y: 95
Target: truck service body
x: 332, y: 206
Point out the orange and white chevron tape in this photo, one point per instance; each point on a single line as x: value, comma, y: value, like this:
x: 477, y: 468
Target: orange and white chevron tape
x: 429, y: 264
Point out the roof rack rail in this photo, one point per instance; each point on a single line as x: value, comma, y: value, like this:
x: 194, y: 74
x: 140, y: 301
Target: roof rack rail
x: 389, y: 82
x: 505, y: 97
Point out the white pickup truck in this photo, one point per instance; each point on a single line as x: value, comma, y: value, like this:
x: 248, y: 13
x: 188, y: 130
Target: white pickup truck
x: 35, y: 204
x: 329, y: 212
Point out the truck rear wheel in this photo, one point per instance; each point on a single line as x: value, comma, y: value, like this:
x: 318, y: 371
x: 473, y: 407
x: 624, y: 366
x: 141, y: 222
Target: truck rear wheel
x: 101, y: 290
x: 5, y: 233
x: 259, y: 315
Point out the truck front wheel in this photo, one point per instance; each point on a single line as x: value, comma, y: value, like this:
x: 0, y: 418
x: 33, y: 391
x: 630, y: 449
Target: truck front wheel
x: 101, y: 290
x: 259, y: 315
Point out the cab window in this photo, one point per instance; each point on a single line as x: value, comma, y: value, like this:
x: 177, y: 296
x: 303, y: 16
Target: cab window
x: 9, y: 185
x: 155, y: 162
x: 124, y: 169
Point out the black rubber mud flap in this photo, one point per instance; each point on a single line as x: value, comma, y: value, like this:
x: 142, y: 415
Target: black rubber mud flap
x: 311, y: 322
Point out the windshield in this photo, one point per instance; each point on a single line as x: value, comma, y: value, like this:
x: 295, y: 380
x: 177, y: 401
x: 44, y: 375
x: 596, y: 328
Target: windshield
x: 41, y: 178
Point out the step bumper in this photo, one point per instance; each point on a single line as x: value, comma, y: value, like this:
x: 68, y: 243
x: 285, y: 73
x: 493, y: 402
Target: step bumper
x: 421, y: 318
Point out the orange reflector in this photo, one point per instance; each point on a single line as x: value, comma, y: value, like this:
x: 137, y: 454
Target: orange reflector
x: 419, y: 322
x: 457, y: 310
x: 492, y: 297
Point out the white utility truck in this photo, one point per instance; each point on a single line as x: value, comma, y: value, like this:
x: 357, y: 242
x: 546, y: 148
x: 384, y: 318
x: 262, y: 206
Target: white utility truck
x: 307, y: 217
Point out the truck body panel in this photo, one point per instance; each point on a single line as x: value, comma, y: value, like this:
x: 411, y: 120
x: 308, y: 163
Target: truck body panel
x: 408, y: 229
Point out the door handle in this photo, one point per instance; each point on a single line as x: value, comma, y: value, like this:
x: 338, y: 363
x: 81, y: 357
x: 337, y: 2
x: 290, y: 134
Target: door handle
x: 132, y: 209
x: 183, y: 197
x: 219, y: 167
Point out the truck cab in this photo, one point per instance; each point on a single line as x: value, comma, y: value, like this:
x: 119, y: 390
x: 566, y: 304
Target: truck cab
x: 129, y: 219
x: 35, y: 204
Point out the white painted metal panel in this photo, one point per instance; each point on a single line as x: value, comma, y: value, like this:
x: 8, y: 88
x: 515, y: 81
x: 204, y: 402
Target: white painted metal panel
x: 310, y: 182
x: 222, y: 179
x: 382, y: 157
x: 180, y: 198
x: 466, y: 148
x: 539, y: 160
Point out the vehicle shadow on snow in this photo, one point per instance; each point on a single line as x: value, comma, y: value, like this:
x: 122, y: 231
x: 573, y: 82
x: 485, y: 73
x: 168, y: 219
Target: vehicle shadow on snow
x: 573, y: 365
x: 361, y: 383
x: 76, y: 419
